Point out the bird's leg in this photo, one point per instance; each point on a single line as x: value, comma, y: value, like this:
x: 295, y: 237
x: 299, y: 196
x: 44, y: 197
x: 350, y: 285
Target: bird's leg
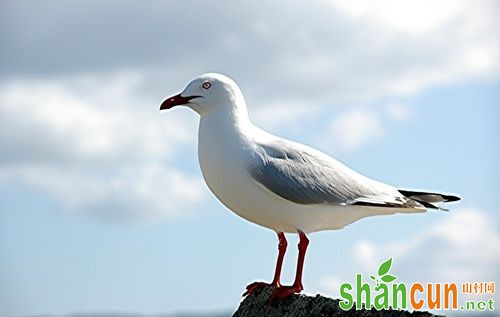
x: 277, y: 273
x: 282, y: 292
x: 282, y: 245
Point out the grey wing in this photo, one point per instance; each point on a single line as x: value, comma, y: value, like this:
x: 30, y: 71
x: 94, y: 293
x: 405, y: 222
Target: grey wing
x: 305, y: 176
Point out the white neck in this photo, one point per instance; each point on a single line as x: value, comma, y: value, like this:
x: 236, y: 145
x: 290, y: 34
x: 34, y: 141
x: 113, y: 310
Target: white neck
x: 228, y: 118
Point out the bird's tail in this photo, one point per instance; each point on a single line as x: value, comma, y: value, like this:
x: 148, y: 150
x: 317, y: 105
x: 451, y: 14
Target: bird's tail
x: 427, y: 199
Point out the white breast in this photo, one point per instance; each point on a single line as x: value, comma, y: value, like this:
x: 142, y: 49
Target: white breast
x: 223, y: 163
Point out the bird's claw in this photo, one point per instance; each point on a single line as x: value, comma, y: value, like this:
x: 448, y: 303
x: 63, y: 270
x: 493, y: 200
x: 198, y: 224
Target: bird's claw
x: 256, y: 286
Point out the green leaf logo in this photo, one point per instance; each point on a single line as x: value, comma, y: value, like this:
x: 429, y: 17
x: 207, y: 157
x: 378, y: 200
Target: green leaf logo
x: 383, y: 275
x: 384, y: 267
x: 388, y: 278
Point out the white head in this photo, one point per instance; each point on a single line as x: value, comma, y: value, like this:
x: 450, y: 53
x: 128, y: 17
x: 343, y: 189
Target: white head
x: 207, y: 93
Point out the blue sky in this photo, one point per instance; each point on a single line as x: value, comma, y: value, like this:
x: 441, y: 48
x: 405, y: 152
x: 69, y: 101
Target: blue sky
x: 102, y: 204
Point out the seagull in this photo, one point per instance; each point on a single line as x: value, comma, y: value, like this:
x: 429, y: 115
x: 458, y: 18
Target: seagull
x: 279, y: 184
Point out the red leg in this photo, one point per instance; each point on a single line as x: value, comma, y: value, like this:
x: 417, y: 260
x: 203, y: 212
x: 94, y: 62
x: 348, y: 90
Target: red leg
x: 277, y: 273
x: 282, y: 292
x: 282, y: 245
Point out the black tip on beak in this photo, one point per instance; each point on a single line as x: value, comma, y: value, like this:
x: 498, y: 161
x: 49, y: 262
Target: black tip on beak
x: 175, y: 101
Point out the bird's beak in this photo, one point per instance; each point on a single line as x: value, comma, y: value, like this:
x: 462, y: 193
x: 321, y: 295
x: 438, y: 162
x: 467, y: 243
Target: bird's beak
x: 175, y: 101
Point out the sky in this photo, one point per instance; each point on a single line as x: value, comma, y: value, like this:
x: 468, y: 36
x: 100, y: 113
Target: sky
x: 102, y: 204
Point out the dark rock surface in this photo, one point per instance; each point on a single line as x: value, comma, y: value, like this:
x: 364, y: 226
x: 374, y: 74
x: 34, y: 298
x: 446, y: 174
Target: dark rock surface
x: 307, y: 306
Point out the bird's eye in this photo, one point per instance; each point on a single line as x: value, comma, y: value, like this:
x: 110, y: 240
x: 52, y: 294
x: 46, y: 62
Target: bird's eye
x: 206, y: 85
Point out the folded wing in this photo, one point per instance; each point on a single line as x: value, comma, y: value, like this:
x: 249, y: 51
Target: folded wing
x: 305, y: 176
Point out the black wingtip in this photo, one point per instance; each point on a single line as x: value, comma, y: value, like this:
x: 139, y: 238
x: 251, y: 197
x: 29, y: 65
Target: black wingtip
x: 450, y: 198
x: 421, y: 196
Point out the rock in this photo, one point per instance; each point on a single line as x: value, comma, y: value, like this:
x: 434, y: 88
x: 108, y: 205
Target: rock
x: 307, y: 306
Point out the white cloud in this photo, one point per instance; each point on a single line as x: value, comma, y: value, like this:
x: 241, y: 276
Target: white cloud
x: 398, y: 111
x: 355, y: 128
x: 462, y: 247
x: 143, y: 191
x: 278, y: 115
x: 404, y: 16
x: 340, y: 49
x: 95, y: 147
x: 452, y: 40
x: 85, y: 120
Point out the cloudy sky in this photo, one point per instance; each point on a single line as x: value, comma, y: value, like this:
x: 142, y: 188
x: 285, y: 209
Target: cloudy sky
x: 102, y: 204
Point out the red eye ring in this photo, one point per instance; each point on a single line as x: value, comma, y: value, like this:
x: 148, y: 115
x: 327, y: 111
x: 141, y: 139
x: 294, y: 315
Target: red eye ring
x: 206, y: 85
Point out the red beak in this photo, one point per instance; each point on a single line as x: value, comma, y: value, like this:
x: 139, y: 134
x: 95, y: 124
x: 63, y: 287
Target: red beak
x: 175, y: 101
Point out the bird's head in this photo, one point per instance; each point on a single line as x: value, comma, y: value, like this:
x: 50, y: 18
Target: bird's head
x: 207, y: 93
